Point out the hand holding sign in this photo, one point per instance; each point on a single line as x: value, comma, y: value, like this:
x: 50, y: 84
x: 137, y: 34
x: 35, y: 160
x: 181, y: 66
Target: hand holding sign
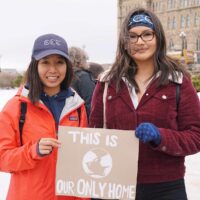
x: 46, y: 145
x: 147, y: 132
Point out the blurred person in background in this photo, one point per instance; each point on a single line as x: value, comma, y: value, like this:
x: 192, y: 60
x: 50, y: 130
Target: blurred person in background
x: 83, y: 81
x: 96, y: 70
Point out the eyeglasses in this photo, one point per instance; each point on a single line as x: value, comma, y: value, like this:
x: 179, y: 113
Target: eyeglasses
x: 145, y: 36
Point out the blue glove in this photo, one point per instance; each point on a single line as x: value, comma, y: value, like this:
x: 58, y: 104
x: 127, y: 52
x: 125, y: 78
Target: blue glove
x: 147, y: 132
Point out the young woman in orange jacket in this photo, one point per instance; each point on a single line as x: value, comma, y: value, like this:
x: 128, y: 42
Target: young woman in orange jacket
x: 50, y: 102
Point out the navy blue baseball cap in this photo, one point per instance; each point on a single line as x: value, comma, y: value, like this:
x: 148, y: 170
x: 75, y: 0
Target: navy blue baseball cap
x: 49, y: 44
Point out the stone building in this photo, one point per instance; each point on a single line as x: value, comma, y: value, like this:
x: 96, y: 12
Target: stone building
x: 180, y: 19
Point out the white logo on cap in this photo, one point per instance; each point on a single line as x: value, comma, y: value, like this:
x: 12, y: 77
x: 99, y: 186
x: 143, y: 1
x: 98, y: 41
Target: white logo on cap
x: 52, y: 42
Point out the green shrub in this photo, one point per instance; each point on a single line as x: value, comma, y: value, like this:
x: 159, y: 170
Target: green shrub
x: 18, y: 81
x: 196, y: 82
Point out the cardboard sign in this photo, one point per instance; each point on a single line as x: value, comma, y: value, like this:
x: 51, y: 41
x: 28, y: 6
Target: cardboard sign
x: 98, y: 163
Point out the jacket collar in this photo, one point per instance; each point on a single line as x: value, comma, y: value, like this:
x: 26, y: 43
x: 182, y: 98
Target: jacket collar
x: 71, y: 103
x: 63, y: 94
x: 177, y: 79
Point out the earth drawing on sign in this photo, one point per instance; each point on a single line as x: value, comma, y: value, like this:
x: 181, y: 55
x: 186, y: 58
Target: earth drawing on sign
x: 97, y: 163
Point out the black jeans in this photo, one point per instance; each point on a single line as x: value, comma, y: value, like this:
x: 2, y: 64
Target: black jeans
x: 173, y: 190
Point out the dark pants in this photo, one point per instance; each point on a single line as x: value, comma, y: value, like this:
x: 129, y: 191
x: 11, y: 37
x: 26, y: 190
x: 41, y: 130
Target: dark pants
x: 173, y: 190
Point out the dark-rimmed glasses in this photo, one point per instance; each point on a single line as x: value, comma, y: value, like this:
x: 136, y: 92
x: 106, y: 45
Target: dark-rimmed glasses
x: 145, y: 36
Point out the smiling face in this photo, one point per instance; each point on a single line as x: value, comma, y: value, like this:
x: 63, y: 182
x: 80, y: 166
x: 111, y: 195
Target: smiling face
x: 52, y: 70
x: 142, y: 44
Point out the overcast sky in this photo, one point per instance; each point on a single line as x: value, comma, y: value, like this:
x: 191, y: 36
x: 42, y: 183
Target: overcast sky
x: 89, y: 24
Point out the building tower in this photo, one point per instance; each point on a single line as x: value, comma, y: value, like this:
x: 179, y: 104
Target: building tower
x: 180, y: 20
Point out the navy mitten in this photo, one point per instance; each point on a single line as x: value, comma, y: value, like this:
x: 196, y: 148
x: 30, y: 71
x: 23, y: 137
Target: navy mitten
x: 147, y: 132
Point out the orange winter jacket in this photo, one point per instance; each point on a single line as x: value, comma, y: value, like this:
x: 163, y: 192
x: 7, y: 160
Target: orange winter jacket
x: 32, y: 176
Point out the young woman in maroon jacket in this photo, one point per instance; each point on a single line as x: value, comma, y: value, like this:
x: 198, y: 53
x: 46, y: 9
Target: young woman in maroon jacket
x: 152, y: 94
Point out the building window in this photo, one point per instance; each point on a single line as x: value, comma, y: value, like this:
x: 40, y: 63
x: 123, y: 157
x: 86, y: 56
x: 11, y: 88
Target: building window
x: 153, y: 6
x: 156, y: 6
x: 174, y: 22
x: 196, y: 19
x: 170, y: 4
x: 185, y: 3
x: 168, y: 23
x: 181, y: 3
x: 182, y: 21
x: 197, y: 2
x: 198, y: 44
x: 159, y: 6
x: 187, y: 24
x: 174, y: 4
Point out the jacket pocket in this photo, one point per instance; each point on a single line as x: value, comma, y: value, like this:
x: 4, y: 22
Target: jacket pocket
x: 163, y: 106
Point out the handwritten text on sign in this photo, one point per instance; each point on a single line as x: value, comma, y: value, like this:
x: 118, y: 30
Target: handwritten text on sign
x: 98, y: 163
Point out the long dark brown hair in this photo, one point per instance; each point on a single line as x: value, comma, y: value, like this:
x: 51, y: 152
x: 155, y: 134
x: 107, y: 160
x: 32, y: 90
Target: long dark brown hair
x: 125, y: 66
x: 34, y: 84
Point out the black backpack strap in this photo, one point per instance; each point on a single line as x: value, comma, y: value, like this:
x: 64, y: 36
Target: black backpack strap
x: 79, y: 115
x: 177, y: 96
x: 23, y: 109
